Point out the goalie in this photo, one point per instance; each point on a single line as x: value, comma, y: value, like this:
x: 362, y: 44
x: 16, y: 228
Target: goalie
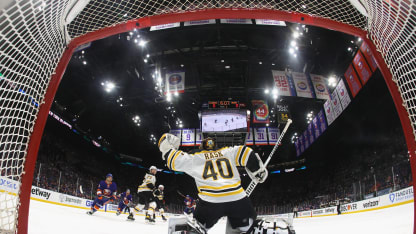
x: 218, y: 181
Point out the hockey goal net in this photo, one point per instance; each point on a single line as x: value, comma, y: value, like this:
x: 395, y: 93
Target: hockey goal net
x: 37, y: 38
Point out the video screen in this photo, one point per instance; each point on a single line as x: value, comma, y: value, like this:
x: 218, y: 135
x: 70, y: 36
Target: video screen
x: 224, y: 120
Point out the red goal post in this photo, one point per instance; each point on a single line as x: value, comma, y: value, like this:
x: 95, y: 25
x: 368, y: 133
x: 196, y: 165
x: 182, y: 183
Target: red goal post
x: 36, y: 45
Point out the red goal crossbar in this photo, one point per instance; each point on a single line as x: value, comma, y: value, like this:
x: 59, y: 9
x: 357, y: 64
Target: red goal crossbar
x: 293, y: 17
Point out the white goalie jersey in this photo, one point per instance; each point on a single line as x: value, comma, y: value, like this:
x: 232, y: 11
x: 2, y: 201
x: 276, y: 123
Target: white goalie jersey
x: 215, y: 171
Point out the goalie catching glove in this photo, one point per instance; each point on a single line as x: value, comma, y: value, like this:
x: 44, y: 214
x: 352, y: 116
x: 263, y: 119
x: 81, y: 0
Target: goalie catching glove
x: 255, y: 168
x: 168, y: 142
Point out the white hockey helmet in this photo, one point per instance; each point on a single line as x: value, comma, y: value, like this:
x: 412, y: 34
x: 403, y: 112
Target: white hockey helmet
x: 152, y: 168
x: 161, y: 187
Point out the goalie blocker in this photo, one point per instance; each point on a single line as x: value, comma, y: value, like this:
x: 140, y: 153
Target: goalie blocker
x: 218, y: 181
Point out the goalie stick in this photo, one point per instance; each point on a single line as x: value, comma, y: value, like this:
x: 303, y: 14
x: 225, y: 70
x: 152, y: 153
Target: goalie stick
x: 253, y: 184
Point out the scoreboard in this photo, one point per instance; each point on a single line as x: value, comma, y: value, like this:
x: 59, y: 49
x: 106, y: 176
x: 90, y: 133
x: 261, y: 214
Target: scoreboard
x: 224, y: 105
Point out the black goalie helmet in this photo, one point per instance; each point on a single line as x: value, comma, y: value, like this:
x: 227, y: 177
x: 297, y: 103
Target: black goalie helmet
x: 208, y: 144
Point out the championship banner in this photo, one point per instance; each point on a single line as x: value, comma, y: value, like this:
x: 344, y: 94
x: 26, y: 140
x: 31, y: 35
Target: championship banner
x: 260, y: 136
x: 273, y: 135
x: 316, y: 127
x: 270, y: 22
x: 311, y: 134
x: 352, y: 81
x: 361, y: 67
x: 336, y: 105
x: 302, y: 86
x: 320, y: 87
x: 261, y: 111
x: 283, y: 84
x: 249, y: 137
x: 165, y: 26
x: 175, y: 82
x: 199, y: 22
x: 198, y: 137
x: 329, y: 112
x: 322, y: 123
x: 306, y: 139
x: 369, y: 56
x: 176, y: 132
x: 343, y: 95
x: 236, y: 21
x: 297, y: 147
x: 283, y: 114
x: 188, y: 137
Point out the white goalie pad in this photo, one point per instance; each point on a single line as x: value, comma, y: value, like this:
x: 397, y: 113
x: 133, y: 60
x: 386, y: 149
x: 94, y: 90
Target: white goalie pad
x: 179, y: 225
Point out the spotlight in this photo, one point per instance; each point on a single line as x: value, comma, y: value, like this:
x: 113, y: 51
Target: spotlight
x: 296, y: 35
x: 142, y: 43
x: 84, y: 62
x: 176, y: 93
x: 147, y: 55
x: 266, y: 91
x: 293, y: 43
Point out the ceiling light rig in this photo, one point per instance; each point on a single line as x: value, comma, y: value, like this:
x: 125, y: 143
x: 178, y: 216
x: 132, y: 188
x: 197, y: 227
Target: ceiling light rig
x: 153, y: 139
x: 309, y: 117
x: 332, y: 81
x: 108, y: 86
x: 294, y: 138
x: 137, y: 121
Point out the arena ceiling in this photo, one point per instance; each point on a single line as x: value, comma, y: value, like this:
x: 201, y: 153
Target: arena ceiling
x: 221, y: 61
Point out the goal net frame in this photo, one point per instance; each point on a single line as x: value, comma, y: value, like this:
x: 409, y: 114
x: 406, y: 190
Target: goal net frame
x: 397, y: 90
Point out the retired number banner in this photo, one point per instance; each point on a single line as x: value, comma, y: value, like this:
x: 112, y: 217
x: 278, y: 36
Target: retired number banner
x: 273, y: 135
x: 188, y: 137
x: 249, y: 137
x: 283, y: 84
x: 260, y: 136
x: 177, y: 133
x: 198, y: 137
x: 261, y: 111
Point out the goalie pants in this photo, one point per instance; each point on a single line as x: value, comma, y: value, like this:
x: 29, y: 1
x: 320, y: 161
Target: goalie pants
x: 238, y: 212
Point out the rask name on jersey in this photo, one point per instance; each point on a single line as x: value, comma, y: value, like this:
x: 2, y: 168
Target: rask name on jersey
x: 212, y: 155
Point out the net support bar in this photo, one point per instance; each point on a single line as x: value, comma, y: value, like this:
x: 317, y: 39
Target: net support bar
x: 188, y: 16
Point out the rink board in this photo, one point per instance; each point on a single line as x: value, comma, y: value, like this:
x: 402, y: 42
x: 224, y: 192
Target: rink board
x: 8, y: 189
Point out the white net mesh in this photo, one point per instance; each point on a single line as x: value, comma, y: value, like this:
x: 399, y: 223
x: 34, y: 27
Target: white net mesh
x: 392, y: 28
x: 32, y: 42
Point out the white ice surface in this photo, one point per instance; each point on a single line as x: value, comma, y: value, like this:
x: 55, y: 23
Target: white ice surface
x: 47, y: 218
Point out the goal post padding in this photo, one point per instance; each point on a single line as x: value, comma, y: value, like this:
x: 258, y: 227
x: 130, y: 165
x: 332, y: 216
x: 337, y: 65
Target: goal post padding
x: 49, y: 46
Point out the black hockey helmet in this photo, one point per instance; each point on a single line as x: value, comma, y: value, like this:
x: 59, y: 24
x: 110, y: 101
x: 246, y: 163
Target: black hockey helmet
x: 208, y: 144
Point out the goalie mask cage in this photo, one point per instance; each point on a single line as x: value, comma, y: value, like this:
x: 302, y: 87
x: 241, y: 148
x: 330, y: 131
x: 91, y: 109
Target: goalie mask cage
x: 38, y: 37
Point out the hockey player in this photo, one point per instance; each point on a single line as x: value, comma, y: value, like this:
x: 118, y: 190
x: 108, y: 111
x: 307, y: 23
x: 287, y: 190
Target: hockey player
x: 218, y: 181
x: 124, y: 205
x: 106, y: 193
x: 145, y: 191
x: 160, y: 202
x: 189, y: 205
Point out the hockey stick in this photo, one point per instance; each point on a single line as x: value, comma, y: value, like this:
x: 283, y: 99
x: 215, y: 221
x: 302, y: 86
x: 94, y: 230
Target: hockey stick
x: 180, y: 193
x: 253, y: 184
